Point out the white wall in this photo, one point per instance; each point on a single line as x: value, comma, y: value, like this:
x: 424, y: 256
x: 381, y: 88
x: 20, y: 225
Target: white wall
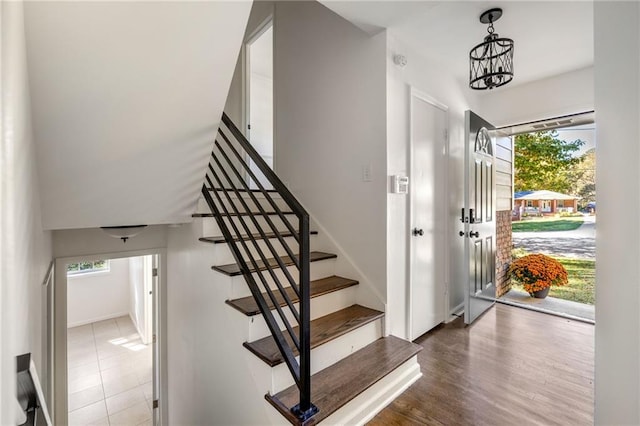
x: 430, y: 78
x: 617, y: 102
x: 551, y: 97
x: 99, y: 295
x: 79, y: 242
x: 209, y: 375
x: 330, y: 122
x: 25, y: 250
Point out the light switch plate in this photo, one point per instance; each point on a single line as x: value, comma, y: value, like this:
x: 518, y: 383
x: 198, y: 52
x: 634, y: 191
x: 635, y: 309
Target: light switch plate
x: 367, y: 173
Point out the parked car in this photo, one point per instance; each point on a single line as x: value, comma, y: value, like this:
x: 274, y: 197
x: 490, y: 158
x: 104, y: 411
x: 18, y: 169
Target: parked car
x: 589, y: 208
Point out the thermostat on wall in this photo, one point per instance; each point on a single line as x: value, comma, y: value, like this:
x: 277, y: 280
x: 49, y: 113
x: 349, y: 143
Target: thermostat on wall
x: 399, y: 184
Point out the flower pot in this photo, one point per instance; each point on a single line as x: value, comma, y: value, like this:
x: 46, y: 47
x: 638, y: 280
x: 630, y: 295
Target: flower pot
x: 540, y: 294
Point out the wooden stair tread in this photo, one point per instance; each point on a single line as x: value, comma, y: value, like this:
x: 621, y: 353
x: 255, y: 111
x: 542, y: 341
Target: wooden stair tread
x: 338, y: 384
x: 221, y: 240
x: 323, y: 330
x: 233, y: 269
x: 269, y: 213
x: 248, y: 306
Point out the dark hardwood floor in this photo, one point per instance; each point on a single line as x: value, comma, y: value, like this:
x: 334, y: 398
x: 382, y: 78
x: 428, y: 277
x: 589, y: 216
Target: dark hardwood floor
x: 512, y: 367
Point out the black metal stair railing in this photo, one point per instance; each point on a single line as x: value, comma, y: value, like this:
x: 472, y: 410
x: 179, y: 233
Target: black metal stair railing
x: 251, y: 221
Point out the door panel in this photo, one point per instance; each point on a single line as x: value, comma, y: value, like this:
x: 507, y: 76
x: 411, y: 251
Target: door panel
x: 479, y: 216
x: 428, y: 217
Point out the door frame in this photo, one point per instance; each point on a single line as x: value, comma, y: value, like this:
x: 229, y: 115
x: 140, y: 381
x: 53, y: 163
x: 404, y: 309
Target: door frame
x: 60, y: 375
x: 417, y: 93
x: 267, y: 22
x: 245, y: 54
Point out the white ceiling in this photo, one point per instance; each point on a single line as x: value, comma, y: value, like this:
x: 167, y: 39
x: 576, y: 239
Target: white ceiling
x: 126, y: 100
x: 551, y: 37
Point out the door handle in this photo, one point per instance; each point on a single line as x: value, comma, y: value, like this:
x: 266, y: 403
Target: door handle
x: 474, y: 234
x: 461, y: 233
x: 417, y: 232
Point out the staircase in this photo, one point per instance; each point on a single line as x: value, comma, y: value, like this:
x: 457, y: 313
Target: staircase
x: 321, y: 356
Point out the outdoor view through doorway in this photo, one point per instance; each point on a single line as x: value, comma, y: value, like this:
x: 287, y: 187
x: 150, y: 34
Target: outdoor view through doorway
x: 555, y: 214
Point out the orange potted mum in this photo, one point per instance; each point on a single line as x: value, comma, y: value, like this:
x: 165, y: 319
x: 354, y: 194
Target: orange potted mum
x: 537, y: 273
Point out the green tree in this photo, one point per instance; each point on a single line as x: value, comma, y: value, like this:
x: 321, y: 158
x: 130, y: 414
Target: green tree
x: 542, y: 161
x: 583, y: 178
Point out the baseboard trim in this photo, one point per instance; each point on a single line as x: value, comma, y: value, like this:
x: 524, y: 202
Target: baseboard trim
x: 101, y: 318
x: 455, y: 313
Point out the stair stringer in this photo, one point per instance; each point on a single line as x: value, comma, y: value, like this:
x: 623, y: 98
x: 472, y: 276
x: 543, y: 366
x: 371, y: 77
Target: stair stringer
x: 371, y: 401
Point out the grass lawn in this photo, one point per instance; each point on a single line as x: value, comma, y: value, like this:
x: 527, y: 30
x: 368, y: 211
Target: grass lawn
x: 582, y: 280
x: 547, y: 225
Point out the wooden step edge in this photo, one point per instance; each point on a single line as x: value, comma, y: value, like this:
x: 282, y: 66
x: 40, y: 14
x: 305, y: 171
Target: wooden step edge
x: 221, y: 240
x: 323, y: 330
x: 272, y: 191
x: 232, y: 269
x: 268, y: 213
x: 249, y: 307
x: 336, y: 385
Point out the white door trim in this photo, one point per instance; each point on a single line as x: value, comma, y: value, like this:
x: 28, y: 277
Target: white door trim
x: 414, y: 92
x: 266, y: 24
x: 246, y: 66
x: 60, y: 399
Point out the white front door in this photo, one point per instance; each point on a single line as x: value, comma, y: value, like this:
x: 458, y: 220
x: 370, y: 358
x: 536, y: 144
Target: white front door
x: 428, y: 215
x: 479, y: 216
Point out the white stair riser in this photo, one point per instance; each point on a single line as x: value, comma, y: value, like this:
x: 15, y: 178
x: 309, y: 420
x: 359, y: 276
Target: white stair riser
x: 320, y: 306
x: 210, y: 226
x: 223, y: 256
x: 319, y: 269
x: 365, y: 406
x: 329, y: 353
x: 203, y: 207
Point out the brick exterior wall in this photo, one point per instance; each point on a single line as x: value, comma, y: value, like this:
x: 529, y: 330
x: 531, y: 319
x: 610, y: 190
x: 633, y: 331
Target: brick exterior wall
x: 503, y: 251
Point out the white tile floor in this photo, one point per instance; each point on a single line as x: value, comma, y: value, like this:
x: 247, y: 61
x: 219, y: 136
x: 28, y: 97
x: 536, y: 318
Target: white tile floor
x: 110, y: 376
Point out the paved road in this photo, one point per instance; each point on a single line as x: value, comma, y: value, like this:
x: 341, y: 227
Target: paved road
x: 579, y: 243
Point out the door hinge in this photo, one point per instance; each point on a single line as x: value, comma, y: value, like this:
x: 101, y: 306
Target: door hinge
x: 446, y: 134
x: 154, y: 272
x: 155, y: 403
x: 153, y: 339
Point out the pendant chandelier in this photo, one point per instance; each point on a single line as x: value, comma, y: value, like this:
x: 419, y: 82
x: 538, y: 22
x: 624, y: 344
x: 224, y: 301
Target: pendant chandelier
x: 491, y: 62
